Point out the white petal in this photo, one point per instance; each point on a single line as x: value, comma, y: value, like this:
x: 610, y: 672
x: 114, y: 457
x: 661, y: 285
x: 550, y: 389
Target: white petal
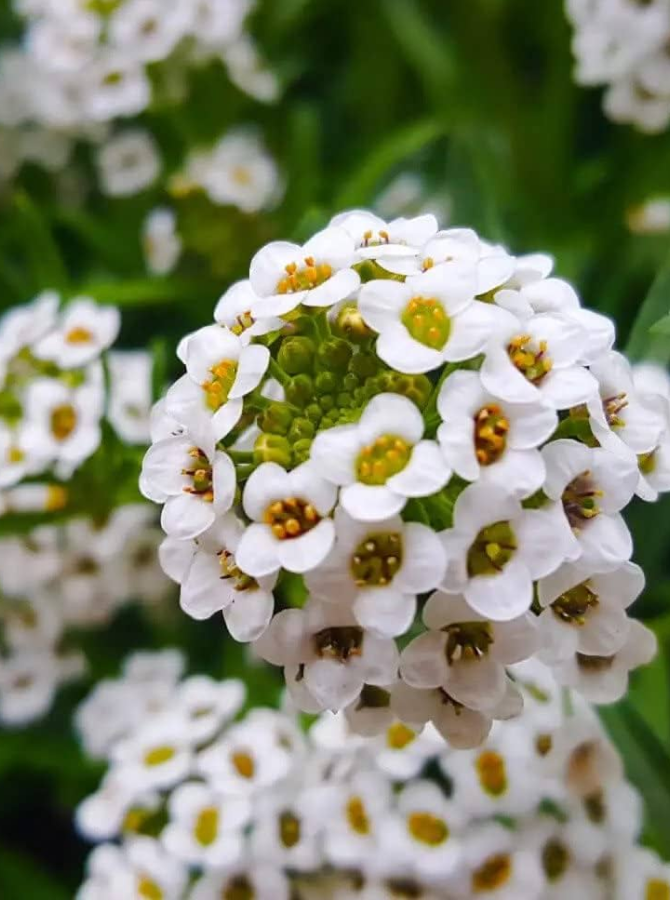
x: 267, y: 266
x: 249, y: 614
x: 381, y: 302
x: 333, y: 684
x: 252, y: 366
x: 370, y: 502
x: 503, y: 596
x: 282, y: 644
x: 334, y: 453
x: 224, y: 481
x: 521, y: 472
x: 338, y: 287
x: 186, y: 516
x: 257, y: 552
x: 391, y: 414
x: 530, y: 425
x: 543, y: 546
x: 516, y: 640
x: 204, y: 592
x: 385, y: 611
x: 565, y: 460
x: 470, y: 331
x: 504, y: 380
x: 306, y: 483
x: 423, y: 662
x: 424, y: 560
x: 268, y: 483
x: 444, y: 609
x: 380, y: 660
x: 306, y: 552
x: 226, y: 418
x: 400, y: 351
x: 478, y: 683
x: 568, y: 387
x: 425, y: 473
x: 606, y: 543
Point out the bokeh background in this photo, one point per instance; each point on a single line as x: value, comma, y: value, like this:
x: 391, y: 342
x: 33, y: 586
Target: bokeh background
x: 472, y: 104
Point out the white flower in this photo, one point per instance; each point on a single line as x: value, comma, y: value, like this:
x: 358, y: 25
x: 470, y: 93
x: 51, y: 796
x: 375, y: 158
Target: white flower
x: 195, y: 486
x: 650, y: 217
x: 101, y: 815
x: 62, y: 423
x: 116, y: 86
x: 638, y: 874
x: 85, y: 329
x: 154, y: 872
x: 499, y: 866
x: 589, y: 487
x: 287, y: 830
x: 128, y: 163
x: 290, y: 525
x: 604, y: 679
x: 379, y: 569
x: 464, y: 654
x: 430, y: 319
x: 260, y: 881
x: 234, y: 312
x: 221, y: 369
x: 161, y: 243
x: 496, y: 549
x: 586, y: 614
x: 208, y: 705
x: 382, y: 460
x: 376, y: 239
x: 620, y: 418
x: 218, y: 22
x: 159, y: 755
x: 335, y: 656
x: 424, y: 836
x: 28, y: 682
x: 130, y: 394
x: 285, y: 275
x: 538, y: 358
x: 205, y: 828
x: 249, y: 72
x: 146, y: 30
x: 485, y: 439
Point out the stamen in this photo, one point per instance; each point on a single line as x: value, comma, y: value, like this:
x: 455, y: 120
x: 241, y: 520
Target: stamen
x: 291, y: 518
x: 427, y: 322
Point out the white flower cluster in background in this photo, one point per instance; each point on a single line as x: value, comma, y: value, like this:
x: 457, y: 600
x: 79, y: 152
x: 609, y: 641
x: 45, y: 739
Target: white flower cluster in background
x: 52, y: 390
x: 202, y: 803
x: 623, y: 44
x: 84, y: 63
x: 394, y: 430
x: 63, y: 577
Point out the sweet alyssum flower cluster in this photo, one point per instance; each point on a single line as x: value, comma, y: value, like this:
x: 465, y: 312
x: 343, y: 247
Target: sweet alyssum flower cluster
x: 203, y: 803
x: 623, y: 44
x: 85, y: 63
x: 63, y: 577
x: 392, y: 419
x: 52, y: 394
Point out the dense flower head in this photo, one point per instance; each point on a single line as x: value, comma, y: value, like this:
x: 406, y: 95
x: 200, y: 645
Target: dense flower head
x: 201, y: 800
x: 623, y: 44
x: 59, y: 579
x: 390, y: 427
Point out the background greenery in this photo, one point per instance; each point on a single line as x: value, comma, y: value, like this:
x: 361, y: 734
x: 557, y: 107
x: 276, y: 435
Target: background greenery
x: 477, y: 97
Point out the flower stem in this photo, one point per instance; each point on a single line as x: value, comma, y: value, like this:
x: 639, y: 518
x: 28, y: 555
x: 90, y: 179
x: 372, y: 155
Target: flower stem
x: 277, y: 372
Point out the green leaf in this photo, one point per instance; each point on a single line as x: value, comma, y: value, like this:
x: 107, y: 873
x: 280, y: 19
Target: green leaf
x: 43, y: 255
x: 650, y: 335
x: 364, y: 182
x: 21, y: 876
x: 141, y: 292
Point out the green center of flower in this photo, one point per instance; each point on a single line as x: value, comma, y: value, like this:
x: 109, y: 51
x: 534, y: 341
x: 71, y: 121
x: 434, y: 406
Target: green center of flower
x: 291, y: 518
x: 230, y: 570
x: 148, y: 889
x: 289, y: 829
x: 207, y: 826
x: 357, y: 816
x: 491, y: 429
x: 467, y: 640
x: 220, y: 384
x: 242, y: 322
x: 657, y: 889
x: 427, y: 322
x: 350, y: 323
x: 238, y: 888
x: 399, y: 736
x: 63, y: 421
x: 200, y: 473
x: 612, y: 407
x: 79, y: 335
x: 533, y: 362
x: 377, y: 559
x: 594, y: 806
x: 339, y: 643
x: 373, y: 697
x: 378, y: 462
x: 303, y: 278
x: 647, y: 462
x: 492, y: 773
x: 158, y: 756
x: 580, y: 500
x: 427, y: 828
x: 244, y: 764
x: 15, y: 455
x: 555, y: 859
x: 573, y: 606
x: 594, y: 663
x: 492, y: 874
x: 491, y: 550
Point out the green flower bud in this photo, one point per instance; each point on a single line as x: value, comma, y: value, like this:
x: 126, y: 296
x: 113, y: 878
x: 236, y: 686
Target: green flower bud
x: 349, y: 323
x: 335, y: 354
x: 314, y: 412
x: 300, y: 390
x: 344, y: 399
x: 363, y: 365
x: 350, y: 382
x: 301, y: 429
x: 326, y: 383
x: 327, y: 402
x: 276, y: 418
x: 301, y: 451
x: 273, y: 448
x: 296, y: 354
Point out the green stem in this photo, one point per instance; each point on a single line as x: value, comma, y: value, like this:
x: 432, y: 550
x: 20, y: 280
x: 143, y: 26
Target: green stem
x: 241, y: 456
x: 277, y: 372
x: 322, y: 326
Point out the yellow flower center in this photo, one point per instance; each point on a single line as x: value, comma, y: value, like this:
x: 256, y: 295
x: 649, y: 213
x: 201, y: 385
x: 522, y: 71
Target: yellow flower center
x: 339, y: 643
x: 399, y: 736
x: 207, y: 826
x: 532, y: 362
x: 79, y: 335
x: 309, y: 276
x: 369, y: 239
x: 580, y: 500
x: 63, y: 421
x: 595, y: 808
x: 491, y: 550
x: 242, y: 176
x: 492, y: 874
x: 244, y: 764
x: 555, y: 859
x: 148, y: 889
x: 242, y: 322
x: 614, y: 405
x: 219, y: 386
x: 594, y: 663
x: 238, y: 888
x: 427, y: 322
x: 200, y: 474
x: 377, y: 559
x: 491, y: 429
x: 230, y: 570
x: 427, y: 828
x: 291, y: 518
x: 15, y: 455
x: 492, y: 773
x: 467, y: 640
x: 543, y: 744
x: 56, y: 498
x: 357, y: 816
x: 657, y: 889
x: 157, y: 756
x: 574, y: 605
x: 378, y: 462
x: 289, y: 829
x: 647, y: 462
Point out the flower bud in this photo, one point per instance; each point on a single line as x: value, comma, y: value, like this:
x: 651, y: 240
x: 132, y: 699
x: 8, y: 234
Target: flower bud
x: 349, y: 323
x: 301, y: 429
x: 363, y: 365
x: 296, y: 354
x: 276, y: 418
x: 300, y: 390
x: 273, y: 448
x: 335, y: 354
x: 327, y: 383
